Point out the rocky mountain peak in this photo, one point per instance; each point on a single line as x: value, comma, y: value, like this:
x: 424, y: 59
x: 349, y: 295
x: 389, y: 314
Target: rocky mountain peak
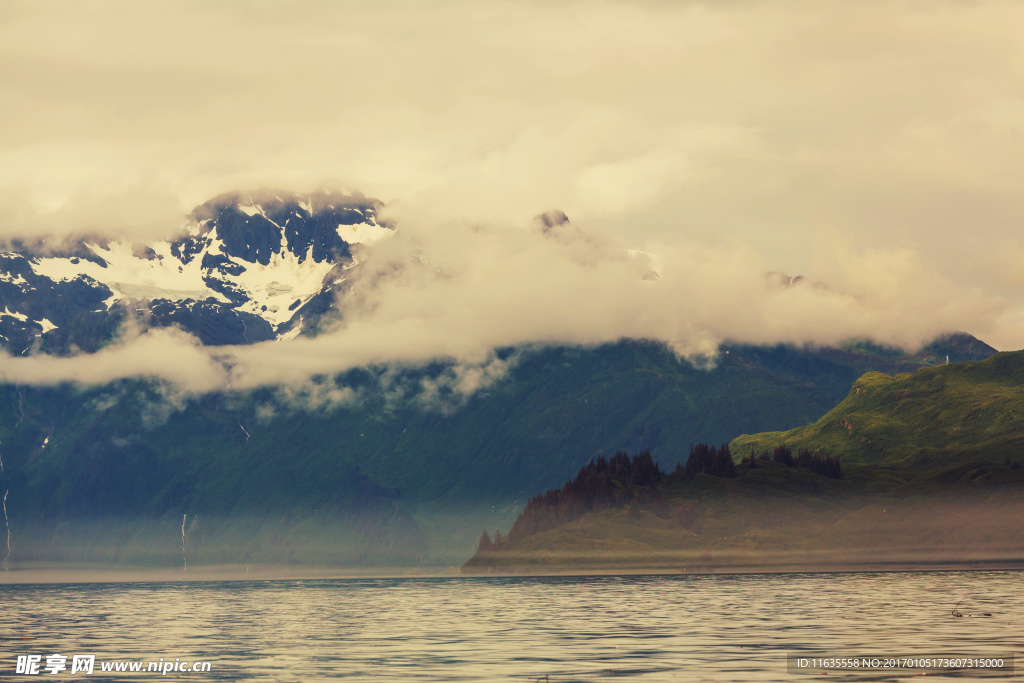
x: 248, y: 267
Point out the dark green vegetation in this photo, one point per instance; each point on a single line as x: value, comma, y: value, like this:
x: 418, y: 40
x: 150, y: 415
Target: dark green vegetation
x: 828, y: 465
x: 600, y: 484
x: 931, y: 473
x: 379, y: 480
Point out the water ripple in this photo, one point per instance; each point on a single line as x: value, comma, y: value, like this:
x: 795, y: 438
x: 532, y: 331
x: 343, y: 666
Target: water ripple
x: 658, y: 628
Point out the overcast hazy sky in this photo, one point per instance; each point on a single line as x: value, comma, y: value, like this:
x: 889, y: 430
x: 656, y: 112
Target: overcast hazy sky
x: 876, y: 147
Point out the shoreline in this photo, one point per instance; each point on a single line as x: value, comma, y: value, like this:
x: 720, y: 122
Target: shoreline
x: 94, y: 574
x: 85, y: 573
x: 867, y: 567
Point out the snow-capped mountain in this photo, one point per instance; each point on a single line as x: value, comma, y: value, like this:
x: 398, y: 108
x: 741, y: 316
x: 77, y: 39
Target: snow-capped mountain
x: 248, y: 268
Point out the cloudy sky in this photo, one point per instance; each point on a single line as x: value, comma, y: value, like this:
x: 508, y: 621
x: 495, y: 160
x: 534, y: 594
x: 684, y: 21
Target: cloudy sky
x: 875, y: 147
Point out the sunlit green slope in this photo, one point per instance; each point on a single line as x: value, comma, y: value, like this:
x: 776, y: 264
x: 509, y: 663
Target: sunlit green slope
x: 937, y: 415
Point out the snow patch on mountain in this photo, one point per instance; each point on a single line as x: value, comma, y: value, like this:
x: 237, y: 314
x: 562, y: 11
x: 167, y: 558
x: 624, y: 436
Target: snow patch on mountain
x: 17, y: 316
x: 13, y: 279
x: 44, y: 323
x: 277, y: 289
x: 159, y: 276
x: 363, y: 233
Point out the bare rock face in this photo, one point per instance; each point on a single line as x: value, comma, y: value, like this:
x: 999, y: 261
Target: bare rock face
x: 550, y: 220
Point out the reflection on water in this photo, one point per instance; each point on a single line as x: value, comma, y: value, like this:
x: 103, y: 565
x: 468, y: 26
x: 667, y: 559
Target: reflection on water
x: 654, y: 628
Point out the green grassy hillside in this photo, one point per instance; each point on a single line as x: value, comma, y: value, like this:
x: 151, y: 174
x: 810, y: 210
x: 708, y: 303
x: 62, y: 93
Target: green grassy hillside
x: 940, y: 414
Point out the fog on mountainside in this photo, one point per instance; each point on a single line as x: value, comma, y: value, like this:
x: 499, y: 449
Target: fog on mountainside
x: 273, y: 288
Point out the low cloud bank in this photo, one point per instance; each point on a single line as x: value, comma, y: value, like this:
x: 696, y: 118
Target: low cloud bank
x: 459, y: 291
x: 168, y: 355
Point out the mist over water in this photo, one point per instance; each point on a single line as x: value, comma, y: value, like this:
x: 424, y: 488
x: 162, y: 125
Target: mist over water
x: 649, y: 628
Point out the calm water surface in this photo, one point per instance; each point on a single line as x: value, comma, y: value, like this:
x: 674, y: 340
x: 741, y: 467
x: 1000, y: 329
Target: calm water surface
x: 648, y: 628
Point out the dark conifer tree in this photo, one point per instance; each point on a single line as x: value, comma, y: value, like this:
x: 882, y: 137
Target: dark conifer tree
x: 722, y: 465
x: 784, y: 455
x: 710, y: 460
x: 600, y: 484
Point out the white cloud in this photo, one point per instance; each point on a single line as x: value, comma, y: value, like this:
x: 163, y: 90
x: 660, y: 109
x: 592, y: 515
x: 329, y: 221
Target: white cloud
x: 164, y: 354
x: 459, y: 291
